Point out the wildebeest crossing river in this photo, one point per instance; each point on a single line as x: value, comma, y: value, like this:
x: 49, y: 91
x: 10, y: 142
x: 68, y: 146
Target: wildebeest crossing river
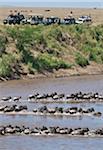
x: 24, y: 88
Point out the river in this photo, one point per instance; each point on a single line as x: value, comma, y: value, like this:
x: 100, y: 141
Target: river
x: 61, y: 85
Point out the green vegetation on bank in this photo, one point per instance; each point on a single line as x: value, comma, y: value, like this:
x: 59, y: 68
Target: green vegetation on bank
x: 33, y: 49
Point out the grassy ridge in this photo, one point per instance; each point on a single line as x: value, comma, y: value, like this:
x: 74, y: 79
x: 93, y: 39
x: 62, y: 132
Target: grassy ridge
x: 33, y: 49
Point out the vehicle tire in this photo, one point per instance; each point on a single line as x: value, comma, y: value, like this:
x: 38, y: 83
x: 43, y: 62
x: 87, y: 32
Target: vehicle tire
x: 9, y: 23
x: 14, y: 22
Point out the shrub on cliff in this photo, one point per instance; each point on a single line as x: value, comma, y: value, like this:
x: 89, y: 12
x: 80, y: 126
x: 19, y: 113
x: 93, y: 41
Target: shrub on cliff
x: 6, y: 65
x: 3, y: 41
x: 81, y: 60
x: 49, y: 62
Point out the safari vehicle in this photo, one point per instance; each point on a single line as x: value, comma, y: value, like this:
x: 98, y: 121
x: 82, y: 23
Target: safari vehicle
x: 26, y: 20
x: 13, y: 19
x: 52, y: 20
x: 79, y: 21
x: 37, y: 19
x: 83, y: 19
x: 68, y: 20
x: 33, y: 19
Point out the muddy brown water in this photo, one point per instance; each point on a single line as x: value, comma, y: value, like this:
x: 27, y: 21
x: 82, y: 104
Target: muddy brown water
x: 61, y: 85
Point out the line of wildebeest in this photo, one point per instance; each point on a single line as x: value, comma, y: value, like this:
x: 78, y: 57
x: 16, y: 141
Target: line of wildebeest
x: 14, y: 106
x: 44, y: 110
x: 59, y: 97
x: 35, y: 19
x: 50, y: 131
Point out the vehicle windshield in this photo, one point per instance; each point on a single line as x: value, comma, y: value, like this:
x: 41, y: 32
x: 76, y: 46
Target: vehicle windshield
x: 10, y: 17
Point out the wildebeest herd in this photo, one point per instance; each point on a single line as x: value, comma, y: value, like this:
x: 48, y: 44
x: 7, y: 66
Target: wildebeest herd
x: 44, y: 110
x: 50, y: 131
x: 14, y: 106
x: 73, y: 97
x: 59, y: 97
x: 35, y: 19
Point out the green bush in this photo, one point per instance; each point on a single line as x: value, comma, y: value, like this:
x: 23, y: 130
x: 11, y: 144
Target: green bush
x: 56, y: 33
x: 12, y: 32
x: 92, y: 56
x: 30, y: 68
x: 79, y: 28
x: 40, y: 39
x: 26, y: 56
x: 3, y: 42
x: 81, y: 60
x: 27, y: 37
x: 49, y: 62
x: 6, y: 62
x: 96, y: 55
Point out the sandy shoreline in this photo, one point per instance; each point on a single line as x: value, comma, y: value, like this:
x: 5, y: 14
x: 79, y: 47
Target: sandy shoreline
x: 59, y: 12
x: 62, y: 73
